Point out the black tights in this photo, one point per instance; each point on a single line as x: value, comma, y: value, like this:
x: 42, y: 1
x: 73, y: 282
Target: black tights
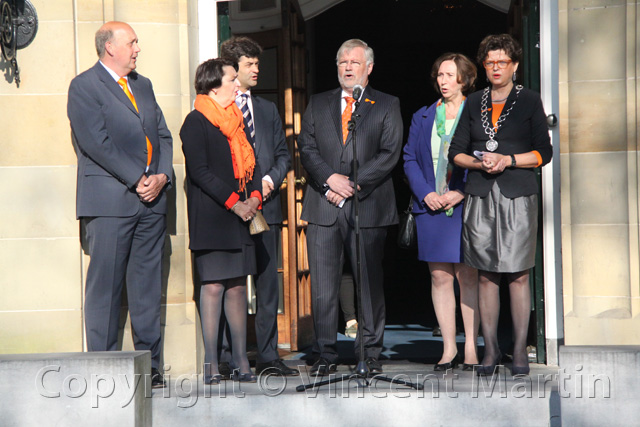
x: 234, y: 293
x: 489, y: 299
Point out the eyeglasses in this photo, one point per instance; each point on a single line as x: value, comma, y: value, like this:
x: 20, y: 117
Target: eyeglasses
x: 501, y: 64
x: 354, y: 64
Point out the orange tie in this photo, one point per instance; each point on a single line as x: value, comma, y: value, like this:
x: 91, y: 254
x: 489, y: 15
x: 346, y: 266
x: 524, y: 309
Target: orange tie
x: 123, y: 83
x: 346, y: 116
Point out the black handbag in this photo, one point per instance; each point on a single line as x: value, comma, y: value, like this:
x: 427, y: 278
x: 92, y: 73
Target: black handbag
x: 407, y: 233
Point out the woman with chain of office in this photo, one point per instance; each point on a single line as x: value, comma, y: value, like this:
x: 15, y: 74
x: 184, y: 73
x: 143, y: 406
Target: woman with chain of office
x: 501, y: 138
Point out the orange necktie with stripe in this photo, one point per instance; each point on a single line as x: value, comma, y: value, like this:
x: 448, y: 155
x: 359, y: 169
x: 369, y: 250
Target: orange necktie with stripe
x: 123, y: 83
x: 346, y: 116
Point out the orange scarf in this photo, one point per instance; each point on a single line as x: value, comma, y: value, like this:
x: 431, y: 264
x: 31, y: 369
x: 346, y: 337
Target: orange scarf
x: 229, y: 121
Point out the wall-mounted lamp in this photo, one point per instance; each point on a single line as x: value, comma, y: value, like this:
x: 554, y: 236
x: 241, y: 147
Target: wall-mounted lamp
x: 18, y: 28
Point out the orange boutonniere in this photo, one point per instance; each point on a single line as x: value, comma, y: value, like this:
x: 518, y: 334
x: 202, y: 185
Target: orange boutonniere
x: 369, y: 100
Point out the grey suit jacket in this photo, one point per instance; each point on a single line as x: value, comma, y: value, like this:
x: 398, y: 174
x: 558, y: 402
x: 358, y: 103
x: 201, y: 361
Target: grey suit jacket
x: 271, y: 152
x: 379, y: 140
x: 109, y: 139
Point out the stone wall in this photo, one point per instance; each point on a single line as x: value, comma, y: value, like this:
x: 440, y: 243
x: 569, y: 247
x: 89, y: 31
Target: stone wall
x: 599, y: 156
x: 41, y: 258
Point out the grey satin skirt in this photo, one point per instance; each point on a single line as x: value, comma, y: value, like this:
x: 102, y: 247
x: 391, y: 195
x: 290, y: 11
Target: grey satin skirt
x: 499, y: 234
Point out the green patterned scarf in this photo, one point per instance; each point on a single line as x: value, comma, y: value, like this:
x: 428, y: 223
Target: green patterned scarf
x: 445, y: 169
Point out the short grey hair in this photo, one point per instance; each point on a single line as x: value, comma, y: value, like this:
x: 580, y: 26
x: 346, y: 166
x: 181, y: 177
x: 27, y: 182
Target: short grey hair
x: 103, y: 35
x: 353, y: 43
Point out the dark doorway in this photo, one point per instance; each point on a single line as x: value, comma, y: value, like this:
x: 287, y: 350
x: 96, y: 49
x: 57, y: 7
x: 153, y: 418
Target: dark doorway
x: 407, y: 36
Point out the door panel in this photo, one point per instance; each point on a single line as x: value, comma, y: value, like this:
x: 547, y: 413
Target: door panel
x: 525, y: 16
x: 285, y: 50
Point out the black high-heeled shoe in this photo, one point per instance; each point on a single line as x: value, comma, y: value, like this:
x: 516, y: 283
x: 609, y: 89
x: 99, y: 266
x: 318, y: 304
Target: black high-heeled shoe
x: 246, y: 377
x: 212, y: 379
x: 446, y: 366
x: 469, y: 366
x: 494, y: 368
x: 520, y: 370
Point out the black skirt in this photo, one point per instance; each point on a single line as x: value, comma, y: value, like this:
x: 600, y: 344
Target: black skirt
x: 216, y: 265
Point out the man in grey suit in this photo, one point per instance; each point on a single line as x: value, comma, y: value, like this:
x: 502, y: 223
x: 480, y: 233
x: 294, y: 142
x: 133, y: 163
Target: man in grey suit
x: 264, y: 130
x: 124, y: 152
x: 327, y: 155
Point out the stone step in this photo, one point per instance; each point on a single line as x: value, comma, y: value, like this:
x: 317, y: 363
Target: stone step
x: 76, y: 389
x: 458, y: 398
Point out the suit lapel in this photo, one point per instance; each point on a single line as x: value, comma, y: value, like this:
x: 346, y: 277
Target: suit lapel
x: 427, y: 129
x: 137, y: 94
x: 335, y: 108
x: 113, y: 87
x: 257, y: 119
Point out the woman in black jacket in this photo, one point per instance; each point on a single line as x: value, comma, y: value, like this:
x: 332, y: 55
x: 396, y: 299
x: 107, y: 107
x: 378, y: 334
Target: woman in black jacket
x: 222, y: 197
x: 502, y: 136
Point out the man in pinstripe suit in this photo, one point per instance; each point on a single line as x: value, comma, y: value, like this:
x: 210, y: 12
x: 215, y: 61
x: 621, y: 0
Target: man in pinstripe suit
x: 327, y: 154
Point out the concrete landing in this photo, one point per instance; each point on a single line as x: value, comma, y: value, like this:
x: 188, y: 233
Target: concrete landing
x: 457, y: 398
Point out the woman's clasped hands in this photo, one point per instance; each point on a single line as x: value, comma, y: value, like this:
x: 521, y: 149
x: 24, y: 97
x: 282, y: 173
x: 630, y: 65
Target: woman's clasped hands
x: 247, y: 209
x: 494, y: 163
x: 435, y: 202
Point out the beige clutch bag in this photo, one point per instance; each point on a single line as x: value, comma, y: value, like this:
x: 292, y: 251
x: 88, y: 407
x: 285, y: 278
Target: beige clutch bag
x: 258, y: 224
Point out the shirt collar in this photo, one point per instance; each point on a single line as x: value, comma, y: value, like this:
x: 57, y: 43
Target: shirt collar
x: 240, y: 93
x: 112, y: 73
x: 345, y: 94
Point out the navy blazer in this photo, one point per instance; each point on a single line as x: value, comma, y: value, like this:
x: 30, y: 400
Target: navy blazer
x: 379, y: 141
x: 272, y: 153
x: 525, y: 129
x: 109, y: 138
x: 418, y: 160
x: 210, y: 183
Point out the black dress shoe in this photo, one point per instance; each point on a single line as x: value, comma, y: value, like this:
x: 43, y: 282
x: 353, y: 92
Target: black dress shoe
x: 446, y: 366
x: 276, y: 367
x: 157, y: 379
x: 374, y: 365
x: 225, y: 370
x: 322, y: 367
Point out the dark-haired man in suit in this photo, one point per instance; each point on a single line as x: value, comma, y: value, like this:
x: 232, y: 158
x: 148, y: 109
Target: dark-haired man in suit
x: 264, y: 130
x: 124, y: 152
x: 327, y: 154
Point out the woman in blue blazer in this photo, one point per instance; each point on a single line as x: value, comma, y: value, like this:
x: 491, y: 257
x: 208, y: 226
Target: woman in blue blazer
x: 437, y: 188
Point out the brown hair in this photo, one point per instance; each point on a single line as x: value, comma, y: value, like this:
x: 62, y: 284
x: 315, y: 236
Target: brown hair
x: 236, y: 47
x: 467, y: 71
x: 499, y: 42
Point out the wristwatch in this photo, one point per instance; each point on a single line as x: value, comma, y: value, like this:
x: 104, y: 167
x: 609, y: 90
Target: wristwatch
x: 513, y: 161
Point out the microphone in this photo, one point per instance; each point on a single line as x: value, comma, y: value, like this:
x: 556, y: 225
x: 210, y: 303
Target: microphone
x: 357, y: 92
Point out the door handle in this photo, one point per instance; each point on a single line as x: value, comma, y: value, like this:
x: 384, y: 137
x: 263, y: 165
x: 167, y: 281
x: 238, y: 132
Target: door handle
x: 298, y: 181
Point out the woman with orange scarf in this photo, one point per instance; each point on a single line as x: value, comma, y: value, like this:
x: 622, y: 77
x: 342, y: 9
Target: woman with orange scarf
x: 220, y: 166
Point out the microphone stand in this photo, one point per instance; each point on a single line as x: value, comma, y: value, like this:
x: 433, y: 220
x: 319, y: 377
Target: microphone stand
x: 362, y: 373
